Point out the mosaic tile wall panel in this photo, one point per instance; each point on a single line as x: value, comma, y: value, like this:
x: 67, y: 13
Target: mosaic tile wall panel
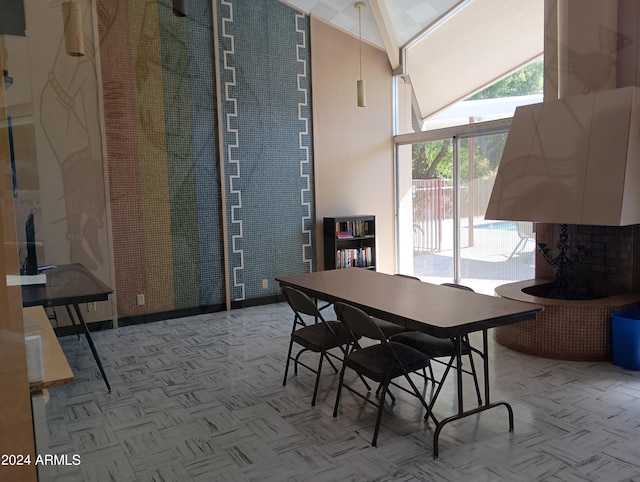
x: 122, y: 151
x: 176, y: 79
x: 159, y: 95
x: 205, y: 151
x: 152, y: 155
x: 264, y: 67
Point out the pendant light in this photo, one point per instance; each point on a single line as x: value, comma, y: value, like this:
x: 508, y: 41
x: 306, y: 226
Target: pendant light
x: 361, y: 88
x: 4, y: 56
x: 73, y: 31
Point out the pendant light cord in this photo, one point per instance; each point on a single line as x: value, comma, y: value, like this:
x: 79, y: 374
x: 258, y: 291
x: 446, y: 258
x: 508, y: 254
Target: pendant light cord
x: 360, y: 36
x: 362, y: 102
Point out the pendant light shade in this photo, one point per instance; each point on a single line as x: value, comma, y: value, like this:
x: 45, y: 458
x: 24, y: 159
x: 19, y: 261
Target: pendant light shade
x: 4, y: 55
x: 179, y: 8
x: 362, y: 93
x: 360, y: 85
x: 73, y: 31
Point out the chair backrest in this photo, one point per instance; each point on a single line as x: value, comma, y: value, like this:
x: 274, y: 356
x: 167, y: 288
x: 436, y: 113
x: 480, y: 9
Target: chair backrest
x: 450, y: 285
x: 456, y: 285
x: 358, y: 322
x: 407, y: 276
x: 300, y: 302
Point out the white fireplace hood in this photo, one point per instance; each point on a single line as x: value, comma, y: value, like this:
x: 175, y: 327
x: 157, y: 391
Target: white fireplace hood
x: 574, y: 161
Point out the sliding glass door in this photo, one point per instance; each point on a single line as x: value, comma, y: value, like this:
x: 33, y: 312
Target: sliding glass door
x: 444, y: 183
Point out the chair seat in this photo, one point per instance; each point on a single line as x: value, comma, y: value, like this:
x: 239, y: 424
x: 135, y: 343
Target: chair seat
x: 429, y: 344
x: 315, y: 337
x: 378, y: 362
x: 389, y: 329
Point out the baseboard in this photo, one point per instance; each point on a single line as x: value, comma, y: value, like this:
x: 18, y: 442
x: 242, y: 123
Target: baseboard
x: 265, y: 300
x: 167, y: 315
x: 68, y: 330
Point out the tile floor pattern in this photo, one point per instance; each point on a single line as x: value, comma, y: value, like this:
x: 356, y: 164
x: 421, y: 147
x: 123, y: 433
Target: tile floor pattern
x: 201, y: 399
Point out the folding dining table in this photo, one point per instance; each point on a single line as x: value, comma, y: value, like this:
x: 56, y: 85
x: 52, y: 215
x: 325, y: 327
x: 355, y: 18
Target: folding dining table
x: 440, y: 311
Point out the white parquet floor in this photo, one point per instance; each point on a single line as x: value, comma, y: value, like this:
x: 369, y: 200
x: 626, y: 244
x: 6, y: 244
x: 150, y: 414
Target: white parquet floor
x: 201, y: 399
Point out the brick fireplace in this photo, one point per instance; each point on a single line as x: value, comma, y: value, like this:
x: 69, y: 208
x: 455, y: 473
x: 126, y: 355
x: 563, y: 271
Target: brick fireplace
x: 612, y: 265
x: 578, y: 329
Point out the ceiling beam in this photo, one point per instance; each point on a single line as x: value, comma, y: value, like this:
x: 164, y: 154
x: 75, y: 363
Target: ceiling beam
x: 387, y: 32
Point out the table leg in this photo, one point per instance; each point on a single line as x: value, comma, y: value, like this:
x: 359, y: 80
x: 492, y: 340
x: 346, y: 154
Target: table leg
x: 457, y: 341
x: 485, y: 364
x: 73, y: 320
x: 487, y: 404
x: 85, y: 329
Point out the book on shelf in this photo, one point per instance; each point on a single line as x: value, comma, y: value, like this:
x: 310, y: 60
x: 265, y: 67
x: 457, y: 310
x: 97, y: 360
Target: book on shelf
x: 352, y: 229
x: 353, y: 257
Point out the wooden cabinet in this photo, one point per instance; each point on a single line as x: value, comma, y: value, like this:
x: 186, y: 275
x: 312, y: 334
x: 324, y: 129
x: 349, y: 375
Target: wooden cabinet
x: 350, y: 241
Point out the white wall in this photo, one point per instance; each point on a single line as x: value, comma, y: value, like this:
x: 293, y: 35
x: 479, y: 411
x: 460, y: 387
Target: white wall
x: 353, y: 146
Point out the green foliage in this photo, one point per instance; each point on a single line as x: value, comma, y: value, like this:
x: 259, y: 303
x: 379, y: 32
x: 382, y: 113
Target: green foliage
x: 432, y: 159
x: 435, y: 159
x: 526, y: 81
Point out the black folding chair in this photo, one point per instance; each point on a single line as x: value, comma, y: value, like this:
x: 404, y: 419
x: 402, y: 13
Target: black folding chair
x: 381, y: 362
x: 318, y: 337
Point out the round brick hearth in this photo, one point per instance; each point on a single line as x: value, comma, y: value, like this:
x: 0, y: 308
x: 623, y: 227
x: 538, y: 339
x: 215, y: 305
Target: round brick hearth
x: 567, y: 329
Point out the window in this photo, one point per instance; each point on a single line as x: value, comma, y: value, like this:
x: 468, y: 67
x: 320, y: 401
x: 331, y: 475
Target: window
x: 445, y: 172
x: 444, y: 185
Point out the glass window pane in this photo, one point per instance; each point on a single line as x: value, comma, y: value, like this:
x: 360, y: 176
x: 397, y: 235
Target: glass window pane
x: 426, y: 211
x: 491, y: 252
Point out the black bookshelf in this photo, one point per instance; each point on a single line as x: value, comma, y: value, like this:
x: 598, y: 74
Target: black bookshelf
x: 350, y: 241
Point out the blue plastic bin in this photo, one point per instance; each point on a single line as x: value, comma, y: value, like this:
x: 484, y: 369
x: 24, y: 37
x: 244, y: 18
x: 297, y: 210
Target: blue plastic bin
x: 625, y: 335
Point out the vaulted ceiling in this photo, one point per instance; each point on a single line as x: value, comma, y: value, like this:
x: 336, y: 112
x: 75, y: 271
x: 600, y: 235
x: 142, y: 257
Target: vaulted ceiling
x: 447, y: 49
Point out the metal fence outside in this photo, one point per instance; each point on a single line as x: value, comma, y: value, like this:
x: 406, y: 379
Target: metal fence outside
x: 433, y: 203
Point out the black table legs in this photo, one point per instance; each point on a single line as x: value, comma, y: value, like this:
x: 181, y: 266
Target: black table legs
x: 85, y: 330
x: 487, y: 401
